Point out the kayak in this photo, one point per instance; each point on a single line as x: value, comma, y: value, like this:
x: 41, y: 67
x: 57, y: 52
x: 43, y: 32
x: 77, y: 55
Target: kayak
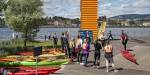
x: 31, y: 71
x: 26, y: 63
x: 129, y: 56
x: 44, y: 63
x: 50, y: 70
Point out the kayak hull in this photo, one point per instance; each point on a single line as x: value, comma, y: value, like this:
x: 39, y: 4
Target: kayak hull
x: 26, y: 63
x: 129, y: 56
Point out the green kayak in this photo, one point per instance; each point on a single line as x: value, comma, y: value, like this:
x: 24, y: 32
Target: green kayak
x: 26, y: 63
x: 44, y: 63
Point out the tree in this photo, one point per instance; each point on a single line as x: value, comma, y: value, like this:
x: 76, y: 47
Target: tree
x: 24, y: 16
x: 2, y: 5
x: 132, y: 23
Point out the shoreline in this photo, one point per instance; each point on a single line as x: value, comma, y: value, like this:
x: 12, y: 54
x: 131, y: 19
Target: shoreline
x: 106, y: 27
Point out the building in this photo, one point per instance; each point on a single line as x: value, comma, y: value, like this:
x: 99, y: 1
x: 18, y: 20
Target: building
x: 146, y: 23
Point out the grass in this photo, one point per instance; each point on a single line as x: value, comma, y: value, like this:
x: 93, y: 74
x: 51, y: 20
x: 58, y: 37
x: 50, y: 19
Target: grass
x: 14, y: 46
x: 19, y: 43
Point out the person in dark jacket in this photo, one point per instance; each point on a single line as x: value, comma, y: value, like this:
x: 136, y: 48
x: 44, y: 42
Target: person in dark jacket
x: 110, y: 36
x: 55, y: 40
x: 97, y: 53
x: 62, y: 42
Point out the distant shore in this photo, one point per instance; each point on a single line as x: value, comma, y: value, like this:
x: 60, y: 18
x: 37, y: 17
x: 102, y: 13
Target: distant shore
x: 79, y: 27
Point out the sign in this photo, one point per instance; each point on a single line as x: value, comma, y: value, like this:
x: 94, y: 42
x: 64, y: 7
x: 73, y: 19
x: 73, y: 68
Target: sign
x: 86, y: 33
x: 37, y: 51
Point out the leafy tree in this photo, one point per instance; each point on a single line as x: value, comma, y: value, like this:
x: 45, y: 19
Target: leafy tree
x: 2, y: 5
x: 24, y: 16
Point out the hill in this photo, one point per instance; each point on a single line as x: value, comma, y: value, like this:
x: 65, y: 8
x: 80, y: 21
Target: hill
x: 132, y: 16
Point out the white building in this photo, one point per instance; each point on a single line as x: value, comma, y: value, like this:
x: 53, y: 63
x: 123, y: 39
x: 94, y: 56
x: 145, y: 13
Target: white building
x: 146, y: 23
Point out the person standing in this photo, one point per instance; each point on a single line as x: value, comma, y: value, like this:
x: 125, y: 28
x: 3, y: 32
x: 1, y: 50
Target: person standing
x: 124, y: 39
x: 49, y: 37
x: 97, y: 53
x: 13, y: 35
x: 55, y: 40
x: 78, y: 49
x: 109, y: 56
x: 103, y: 39
x: 110, y: 36
x: 67, y: 44
x: 85, y: 52
x: 45, y: 37
x: 87, y: 36
x: 62, y: 38
x: 72, y: 48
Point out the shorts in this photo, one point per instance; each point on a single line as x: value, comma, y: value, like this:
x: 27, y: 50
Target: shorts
x: 109, y: 57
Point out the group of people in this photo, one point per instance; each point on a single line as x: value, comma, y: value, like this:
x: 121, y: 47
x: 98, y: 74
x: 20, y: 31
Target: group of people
x: 79, y: 48
x: 83, y: 48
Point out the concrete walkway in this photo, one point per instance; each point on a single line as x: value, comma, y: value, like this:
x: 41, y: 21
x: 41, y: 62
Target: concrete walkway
x: 125, y: 67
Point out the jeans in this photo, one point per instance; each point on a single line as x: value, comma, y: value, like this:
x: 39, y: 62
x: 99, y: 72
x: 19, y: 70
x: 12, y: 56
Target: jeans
x: 86, y: 55
x: 125, y: 44
x: 97, y: 58
x: 79, y: 56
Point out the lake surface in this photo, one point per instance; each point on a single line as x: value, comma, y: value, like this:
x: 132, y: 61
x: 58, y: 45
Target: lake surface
x: 6, y: 33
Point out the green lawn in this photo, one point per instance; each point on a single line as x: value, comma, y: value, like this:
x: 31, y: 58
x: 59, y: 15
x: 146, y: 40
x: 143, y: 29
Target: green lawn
x: 14, y: 46
x: 19, y: 43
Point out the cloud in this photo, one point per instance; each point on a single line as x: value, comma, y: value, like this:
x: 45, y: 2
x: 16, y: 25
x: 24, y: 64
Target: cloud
x: 71, y: 8
x: 126, y: 7
x: 66, y: 8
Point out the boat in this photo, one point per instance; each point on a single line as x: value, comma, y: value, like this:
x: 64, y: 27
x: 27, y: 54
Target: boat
x: 22, y: 70
x: 129, y: 56
x: 27, y: 63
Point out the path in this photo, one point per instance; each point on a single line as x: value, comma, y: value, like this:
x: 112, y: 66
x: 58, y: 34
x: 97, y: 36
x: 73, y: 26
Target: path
x: 141, y: 50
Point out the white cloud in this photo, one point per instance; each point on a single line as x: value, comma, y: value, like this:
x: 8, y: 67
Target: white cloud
x: 126, y: 7
x: 66, y: 8
x: 71, y: 8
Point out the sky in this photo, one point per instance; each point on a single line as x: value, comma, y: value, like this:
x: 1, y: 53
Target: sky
x: 71, y: 8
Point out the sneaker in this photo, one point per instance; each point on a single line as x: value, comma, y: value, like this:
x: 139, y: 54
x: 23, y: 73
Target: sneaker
x: 107, y: 71
x: 77, y: 62
x: 98, y: 67
x: 81, y: 63
x: 115, y: 70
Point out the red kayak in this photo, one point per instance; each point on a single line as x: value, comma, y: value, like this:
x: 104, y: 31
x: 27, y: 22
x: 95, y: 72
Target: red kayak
x: 129, y: 56
x: 32, y: 71
x: 49, y: 70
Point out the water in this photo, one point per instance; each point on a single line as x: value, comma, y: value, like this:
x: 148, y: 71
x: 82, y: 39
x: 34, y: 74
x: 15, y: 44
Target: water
x: 132, y: 32
x: 6, y: 33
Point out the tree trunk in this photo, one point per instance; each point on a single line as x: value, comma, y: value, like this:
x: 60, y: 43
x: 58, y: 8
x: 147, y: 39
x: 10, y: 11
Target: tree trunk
x: 25, y: 38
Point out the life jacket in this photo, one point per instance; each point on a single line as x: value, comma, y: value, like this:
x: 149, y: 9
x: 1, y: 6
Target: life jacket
x: 124, y: 37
